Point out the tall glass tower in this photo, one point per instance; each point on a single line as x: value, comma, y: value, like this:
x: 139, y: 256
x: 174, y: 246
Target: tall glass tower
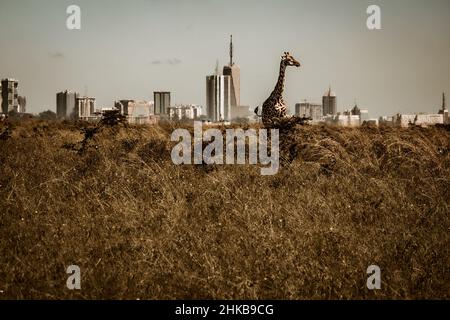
x: 218, y: 98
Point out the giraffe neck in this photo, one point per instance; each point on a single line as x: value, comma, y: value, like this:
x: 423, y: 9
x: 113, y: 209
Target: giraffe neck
x: 279, y: 87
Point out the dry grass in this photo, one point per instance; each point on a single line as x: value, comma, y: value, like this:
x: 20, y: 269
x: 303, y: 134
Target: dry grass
x: 141, y: 227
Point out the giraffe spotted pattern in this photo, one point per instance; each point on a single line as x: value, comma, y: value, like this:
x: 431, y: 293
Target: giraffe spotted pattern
x: 274, y: 108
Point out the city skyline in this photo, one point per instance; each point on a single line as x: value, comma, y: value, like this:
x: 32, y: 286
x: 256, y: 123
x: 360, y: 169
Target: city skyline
x: 401, y: 68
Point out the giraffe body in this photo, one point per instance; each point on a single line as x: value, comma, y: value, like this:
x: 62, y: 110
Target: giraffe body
x: 274, y: 108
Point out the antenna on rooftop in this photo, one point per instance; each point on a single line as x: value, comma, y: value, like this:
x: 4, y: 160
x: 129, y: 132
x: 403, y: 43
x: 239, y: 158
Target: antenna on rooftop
x: 444, y: 107
x: 231, y: 50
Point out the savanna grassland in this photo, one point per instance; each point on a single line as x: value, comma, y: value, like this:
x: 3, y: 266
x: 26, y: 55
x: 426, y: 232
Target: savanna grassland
x: 141, y: 227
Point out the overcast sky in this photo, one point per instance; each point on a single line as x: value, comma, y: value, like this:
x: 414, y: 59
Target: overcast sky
x: 128, y: 49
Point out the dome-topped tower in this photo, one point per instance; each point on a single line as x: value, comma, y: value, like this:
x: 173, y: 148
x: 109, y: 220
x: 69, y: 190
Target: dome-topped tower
x: 356, y: 111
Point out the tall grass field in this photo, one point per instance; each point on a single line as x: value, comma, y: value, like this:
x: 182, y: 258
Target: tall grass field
x: 141, y: 227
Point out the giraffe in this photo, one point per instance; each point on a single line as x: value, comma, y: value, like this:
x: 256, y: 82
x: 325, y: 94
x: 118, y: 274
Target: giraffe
x: 274, y: 108
x: 274, y: 114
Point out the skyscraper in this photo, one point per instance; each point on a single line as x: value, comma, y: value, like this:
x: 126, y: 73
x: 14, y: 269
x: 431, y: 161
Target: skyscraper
x: 10, y: 96
x: 234, y: 72
x: 66, y: 105
x: 329, y: 102
x: 218, y: 94
x: 162, y: 102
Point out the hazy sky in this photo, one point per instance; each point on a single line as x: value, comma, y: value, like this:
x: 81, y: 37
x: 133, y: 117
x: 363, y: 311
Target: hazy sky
x: 128, y: 49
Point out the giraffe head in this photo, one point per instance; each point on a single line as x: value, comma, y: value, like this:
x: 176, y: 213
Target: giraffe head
x: 289, y: 60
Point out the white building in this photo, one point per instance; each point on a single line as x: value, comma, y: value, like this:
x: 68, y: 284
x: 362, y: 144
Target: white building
x: 429, y: 119
x: 309, y: 110
x: 10, y: 96
x: 218, y: 98
x: 348, y: 120
x: 179, y: 112
x: 344, y: 120
x: 405, y: 120
x: 386, y: 120
x: 137, y: 111
x: 364, y: 116
x: 86, y: 108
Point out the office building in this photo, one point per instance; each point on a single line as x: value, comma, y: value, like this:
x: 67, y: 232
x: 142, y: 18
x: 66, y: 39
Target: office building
x: 10, y: 95
x: 66, y: 105
x: 309, y: 110
x: 345, y: 120
x: 329, y: 103
x: 180, y: 112
x: 162, y: 102
x: 137, y: 111
x: 218, y: 96
x: 86, y: 108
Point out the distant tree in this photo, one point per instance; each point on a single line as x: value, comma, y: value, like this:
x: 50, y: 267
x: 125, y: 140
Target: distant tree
x: 47, y: 115
x: 13, y: 114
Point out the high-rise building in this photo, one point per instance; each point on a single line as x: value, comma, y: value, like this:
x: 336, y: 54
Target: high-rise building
x: 218, y: 94
x: 329, y: 102
x: 10, y: 95
x: 86, y: 108
x: 234, y: 72
x: 309, y: 110
x: 66, y: 105
x: 162, y: 102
